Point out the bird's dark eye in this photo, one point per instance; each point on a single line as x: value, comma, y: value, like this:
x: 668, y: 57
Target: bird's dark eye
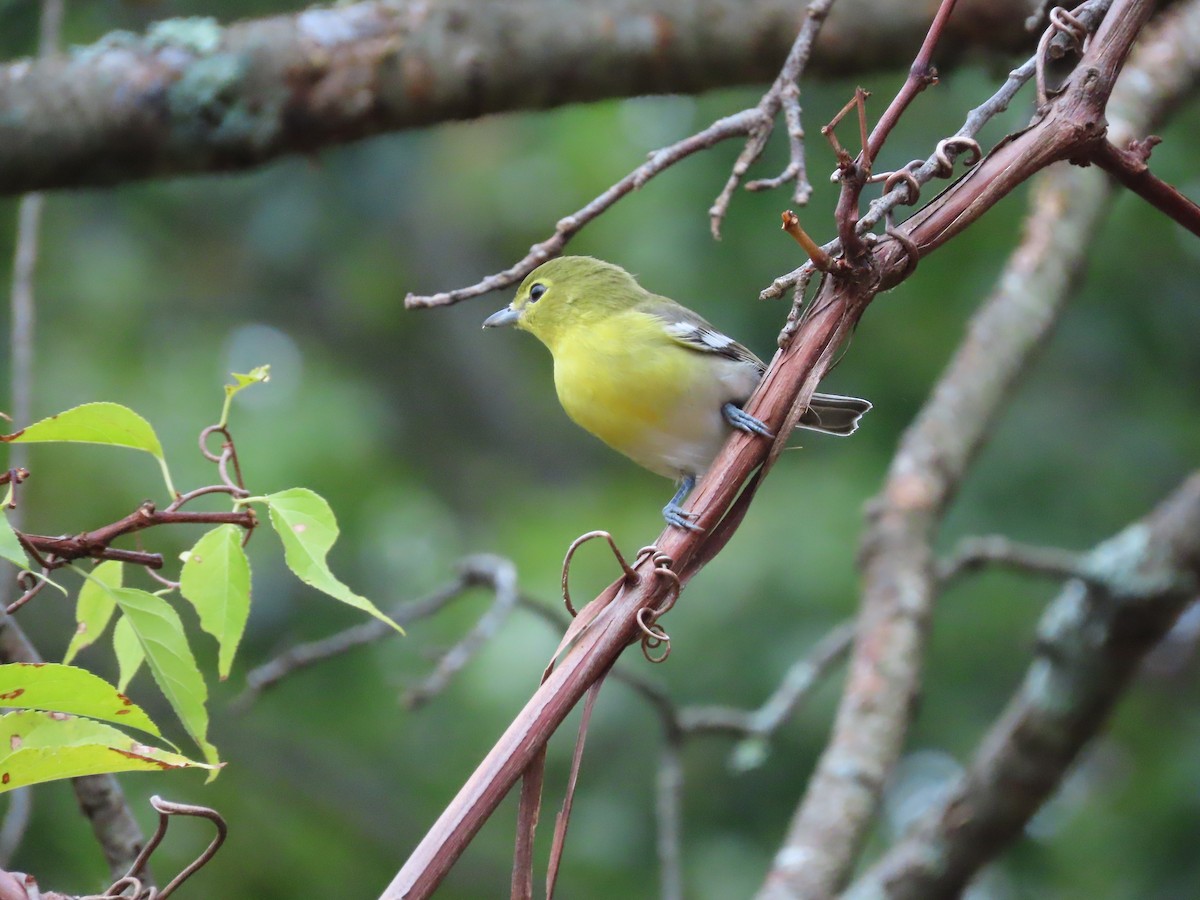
x: 535, y: 292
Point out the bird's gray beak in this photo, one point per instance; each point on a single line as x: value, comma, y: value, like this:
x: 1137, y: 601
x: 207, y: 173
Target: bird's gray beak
x: 506, y: 316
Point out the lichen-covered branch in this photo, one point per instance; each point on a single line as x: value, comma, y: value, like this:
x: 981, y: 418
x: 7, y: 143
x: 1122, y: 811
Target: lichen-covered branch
x: 195, y: 96
x: 1090, y: 642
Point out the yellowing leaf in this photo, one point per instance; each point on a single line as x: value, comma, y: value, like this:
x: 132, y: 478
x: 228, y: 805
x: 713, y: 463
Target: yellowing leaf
x: 41, y: 746
x: 57, y: 688
x: 308, y: 529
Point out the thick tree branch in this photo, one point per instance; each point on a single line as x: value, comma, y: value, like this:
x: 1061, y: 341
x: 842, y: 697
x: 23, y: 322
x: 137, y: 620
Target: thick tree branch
x: 1091, y: 640
x: 193, y: 96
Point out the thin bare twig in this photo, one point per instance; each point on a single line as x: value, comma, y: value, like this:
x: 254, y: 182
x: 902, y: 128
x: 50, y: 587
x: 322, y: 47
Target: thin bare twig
x: 1090, y: 13
x: 921, y: 74
x: 736, y: 125
x: 668, y: 811
x: 501, y: 575
x: 755, y: 124
x: 785, y: 94
x: 797, y: 685
x: 21, y: 301
x: 973, y: 554
x: 480, y: 570
x: 54, y: 552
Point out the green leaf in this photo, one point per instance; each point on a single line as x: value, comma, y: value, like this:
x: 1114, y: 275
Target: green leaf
x: 160, y: 634
x: 216, y: 580
x: 97, y: 423
x: 94, y: 607
x: 128, y: 651
x: 308, y: 529
x: 57, y: 688
x: 10, y: 547
x: 256, y: 375
x: 42, y: 746
x: 94, y: 423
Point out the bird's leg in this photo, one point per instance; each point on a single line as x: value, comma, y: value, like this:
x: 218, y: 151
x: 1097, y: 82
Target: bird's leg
x: 673, y: 511
x: 740, y: 419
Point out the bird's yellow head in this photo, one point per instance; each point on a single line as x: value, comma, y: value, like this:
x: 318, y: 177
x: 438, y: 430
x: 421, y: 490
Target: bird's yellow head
x: 570, y: 291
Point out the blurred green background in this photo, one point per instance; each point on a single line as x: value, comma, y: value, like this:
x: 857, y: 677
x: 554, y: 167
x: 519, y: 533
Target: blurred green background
x: 433, y: 439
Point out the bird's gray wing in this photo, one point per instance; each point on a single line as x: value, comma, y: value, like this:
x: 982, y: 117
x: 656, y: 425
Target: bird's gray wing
x: 694, y: 332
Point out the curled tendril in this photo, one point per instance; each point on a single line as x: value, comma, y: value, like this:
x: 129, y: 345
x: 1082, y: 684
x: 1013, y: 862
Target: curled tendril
x: 166, y: 809
x: 653, y: 635
x: 900, y: 236
x: 223, y: 459
x: 1061, y: 22
x: 579, y: 542
x: 905, y: 175
x: 948, y: 149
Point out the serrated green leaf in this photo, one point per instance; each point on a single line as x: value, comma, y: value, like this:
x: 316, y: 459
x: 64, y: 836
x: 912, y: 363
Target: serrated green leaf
x: 40, y: 746
x: 94, y: 423
x: 58, y: 688
x: 128, y: 652
x: 160, y: 634
x: 216, y: 580
x: 94, y: 606
x: 10, y: 547
x: 308, y: 529
x: 97, y: 423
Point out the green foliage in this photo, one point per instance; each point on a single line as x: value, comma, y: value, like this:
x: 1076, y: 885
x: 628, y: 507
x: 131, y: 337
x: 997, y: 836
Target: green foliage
x: 215, y: 578
x: 94, y: 607
x: 163, y: 642
x: 58, y: 731
x: 97, y: 423
x: 40, y: 746
x: 10, y: 546
x: 306, y: 526
x: 53, y: 687
x: 128, y: 651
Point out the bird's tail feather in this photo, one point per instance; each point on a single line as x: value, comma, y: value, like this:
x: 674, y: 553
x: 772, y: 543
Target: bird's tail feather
x: 834, y: 414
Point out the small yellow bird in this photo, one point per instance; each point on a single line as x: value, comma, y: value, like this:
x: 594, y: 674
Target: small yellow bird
x: 649, y: 377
